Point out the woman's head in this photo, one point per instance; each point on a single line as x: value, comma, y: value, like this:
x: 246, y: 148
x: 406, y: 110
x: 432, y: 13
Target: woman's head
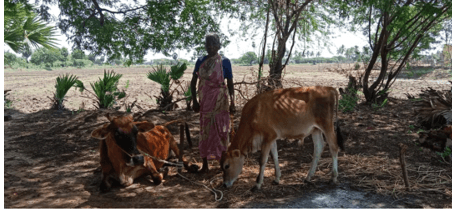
x: 212, y: 44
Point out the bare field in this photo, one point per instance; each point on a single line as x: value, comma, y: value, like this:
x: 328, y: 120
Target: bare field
x: 51, y: 161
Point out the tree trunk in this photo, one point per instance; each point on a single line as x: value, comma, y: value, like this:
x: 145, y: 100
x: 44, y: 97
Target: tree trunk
x: 277, y: 67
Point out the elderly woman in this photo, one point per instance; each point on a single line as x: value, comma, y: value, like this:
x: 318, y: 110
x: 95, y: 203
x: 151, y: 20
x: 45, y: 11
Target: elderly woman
x: 214, y: 95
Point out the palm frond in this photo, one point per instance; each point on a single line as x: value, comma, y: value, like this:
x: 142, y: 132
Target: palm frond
x: 79, y: 84
x: 159, y: 75
x: 62, y: 85
x: 177, y: 71
x: 105, y: 88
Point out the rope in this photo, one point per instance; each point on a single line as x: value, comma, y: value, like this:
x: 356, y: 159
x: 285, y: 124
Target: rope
x: 213, y: 190
x: 180, y: 164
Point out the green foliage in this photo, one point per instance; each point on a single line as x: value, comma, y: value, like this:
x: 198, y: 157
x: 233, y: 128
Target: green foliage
x: 177, y: 71
x: 23, y: 28
x: 64, y: 54
x: 8, y: 104
x: 62, y: 85
x: 46, y: 56
x: 105, y: 89
x: 9, y: 58
x: 78, y: 54
x: 349, y: 101
x: 248, y: 58
x: 161, y: 76
x: 187, y: 94
x: 446, y: 153
x: 82, y: 63
x: 377, y: 106
x: 357, y: 66
x: 396, y: 31
x: 115, y: 28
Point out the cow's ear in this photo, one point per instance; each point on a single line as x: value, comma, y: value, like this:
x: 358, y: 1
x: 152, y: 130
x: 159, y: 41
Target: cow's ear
x: 236, y: 153
x: 144, y: 126
x: 100, y: 133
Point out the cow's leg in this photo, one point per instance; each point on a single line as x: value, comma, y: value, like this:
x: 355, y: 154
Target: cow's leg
x: 105, y: 184
x: 190, y: 168
x: 156, y: 176
x: 334, y: 149
x: 106, y: 166
x: 318, y: 149
x: 125, y: 180
x: 274, y: 154
x: 265, y: 150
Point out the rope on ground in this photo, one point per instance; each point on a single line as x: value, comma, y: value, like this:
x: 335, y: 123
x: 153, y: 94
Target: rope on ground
x: 213, y: 190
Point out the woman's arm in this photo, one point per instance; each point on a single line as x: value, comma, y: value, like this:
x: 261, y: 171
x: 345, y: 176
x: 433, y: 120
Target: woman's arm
x: 231, y: 94
x: 194, y: 80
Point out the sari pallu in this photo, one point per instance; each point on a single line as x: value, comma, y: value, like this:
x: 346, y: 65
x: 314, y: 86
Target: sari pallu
x: 214, y: 109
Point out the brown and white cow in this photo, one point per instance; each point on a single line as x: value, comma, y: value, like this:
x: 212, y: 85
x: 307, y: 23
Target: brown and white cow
x: 284, y: 113
x: 121, y: 141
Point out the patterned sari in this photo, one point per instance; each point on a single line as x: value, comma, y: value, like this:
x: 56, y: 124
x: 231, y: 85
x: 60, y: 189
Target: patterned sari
x: 214, y: 109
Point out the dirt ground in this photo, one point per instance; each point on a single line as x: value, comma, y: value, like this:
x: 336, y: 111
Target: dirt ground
x: 50, y: 160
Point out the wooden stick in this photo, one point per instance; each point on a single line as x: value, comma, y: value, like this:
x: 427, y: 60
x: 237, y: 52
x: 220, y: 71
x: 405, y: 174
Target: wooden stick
x: 181, y: 147
x: 403, y: 149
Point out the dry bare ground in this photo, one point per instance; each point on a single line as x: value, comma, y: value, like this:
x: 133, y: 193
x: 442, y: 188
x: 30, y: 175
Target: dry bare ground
x: 50, y: 161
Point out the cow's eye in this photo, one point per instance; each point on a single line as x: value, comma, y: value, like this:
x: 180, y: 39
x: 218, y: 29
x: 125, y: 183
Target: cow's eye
x: 226, y: 167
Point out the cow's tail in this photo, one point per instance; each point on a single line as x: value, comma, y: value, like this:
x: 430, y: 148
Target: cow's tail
x: 339, y: 138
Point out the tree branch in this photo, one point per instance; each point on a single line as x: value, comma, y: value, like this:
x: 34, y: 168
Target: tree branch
x: 293, y: 43
x: 275, y: 14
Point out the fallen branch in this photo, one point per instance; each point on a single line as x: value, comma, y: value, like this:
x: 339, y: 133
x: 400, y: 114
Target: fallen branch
x: 403, y: 149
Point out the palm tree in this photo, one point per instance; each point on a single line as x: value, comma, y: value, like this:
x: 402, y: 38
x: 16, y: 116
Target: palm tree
x: 24, y: 28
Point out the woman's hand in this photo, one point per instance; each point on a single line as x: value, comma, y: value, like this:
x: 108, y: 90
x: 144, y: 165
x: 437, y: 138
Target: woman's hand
x: 195, y: 106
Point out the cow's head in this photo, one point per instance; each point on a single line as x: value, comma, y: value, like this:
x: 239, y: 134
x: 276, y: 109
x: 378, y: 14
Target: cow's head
x: 231, y: 163
x: 124, y: 132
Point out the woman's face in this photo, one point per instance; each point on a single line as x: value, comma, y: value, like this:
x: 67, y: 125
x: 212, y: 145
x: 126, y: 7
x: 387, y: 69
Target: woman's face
x: 211, y: 49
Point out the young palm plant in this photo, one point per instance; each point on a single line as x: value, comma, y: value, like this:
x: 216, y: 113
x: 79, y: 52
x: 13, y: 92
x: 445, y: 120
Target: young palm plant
x: 106, y: 89
x: 62, y: 85
x: 160, y: 75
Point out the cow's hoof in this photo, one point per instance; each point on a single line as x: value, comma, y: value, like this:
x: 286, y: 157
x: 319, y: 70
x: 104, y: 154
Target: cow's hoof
x: 255, y: 189
x: 309, y: 184
x: 275, y: 182
x: 193, y: 168
x: 104, y: 188
x: 334, y: 182
x: 157, y: 181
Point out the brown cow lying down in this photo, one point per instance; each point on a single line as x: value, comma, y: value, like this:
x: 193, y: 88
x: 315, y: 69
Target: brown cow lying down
x: 119, y: 156
x: 285, y: 113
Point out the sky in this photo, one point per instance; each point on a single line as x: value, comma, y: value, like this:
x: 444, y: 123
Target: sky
x: 238, y: 45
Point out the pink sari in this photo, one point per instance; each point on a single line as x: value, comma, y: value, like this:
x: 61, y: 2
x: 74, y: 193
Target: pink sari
x: 214, y: 109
